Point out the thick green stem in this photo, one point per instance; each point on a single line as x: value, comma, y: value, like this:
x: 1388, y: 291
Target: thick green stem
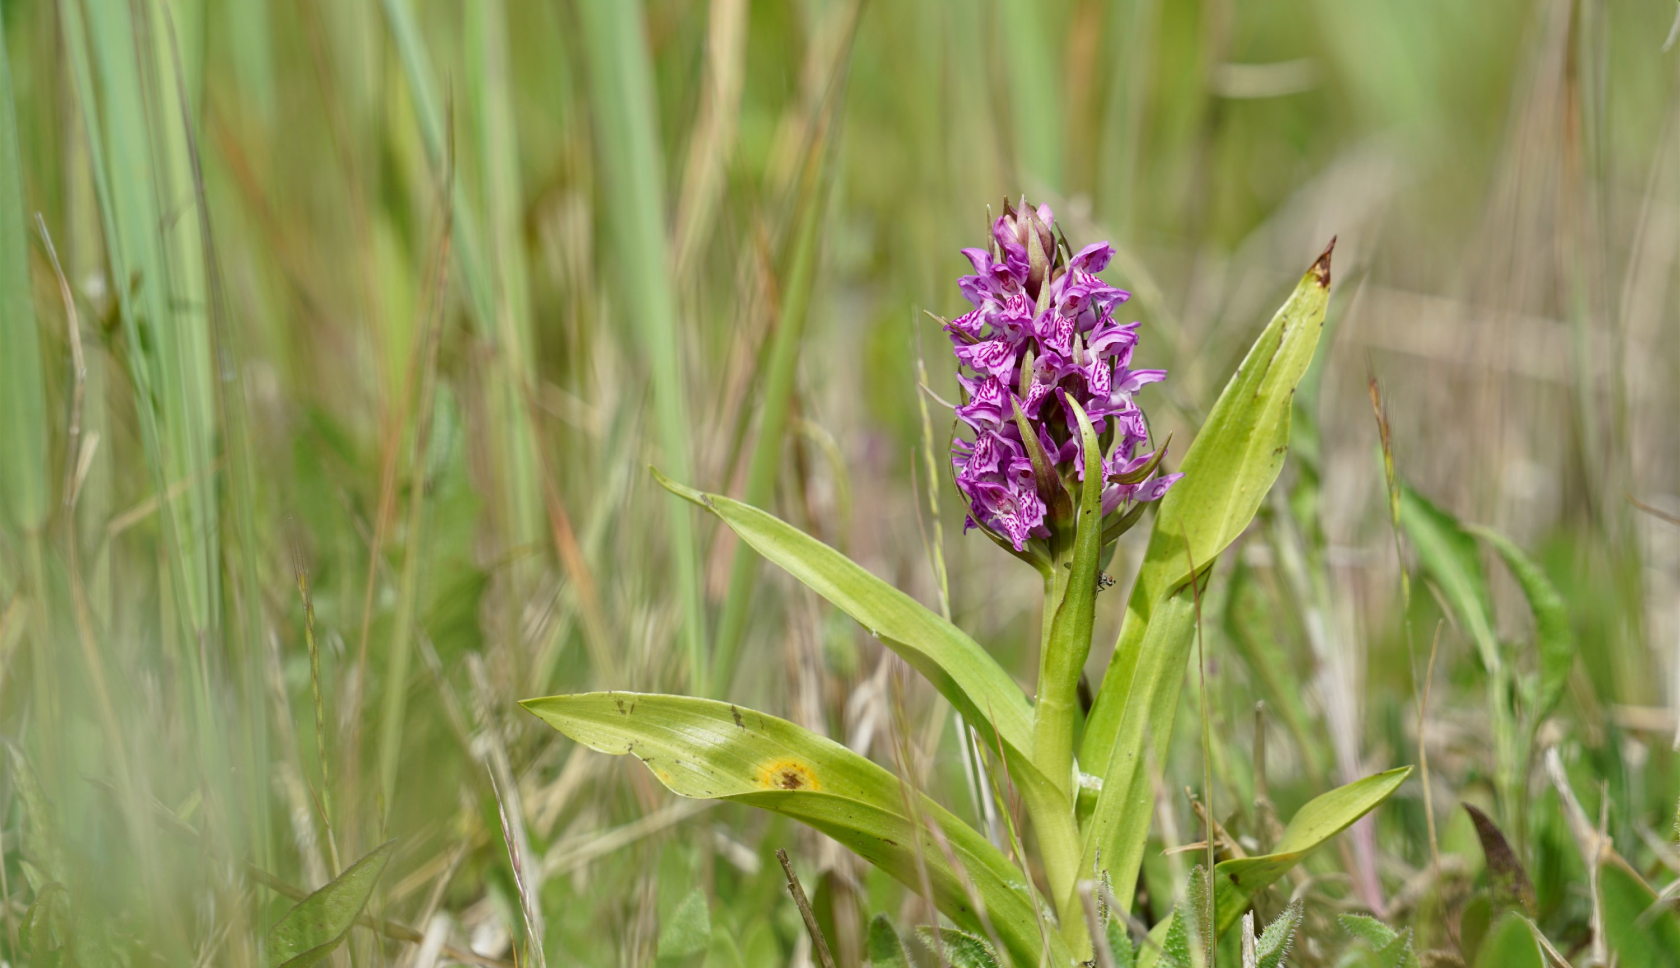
x: 1070, y: 603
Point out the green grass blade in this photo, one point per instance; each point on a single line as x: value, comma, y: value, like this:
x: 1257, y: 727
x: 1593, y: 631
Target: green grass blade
x: 765, y: 460
x: 23, y: 406
x: 1035, y: 105
x: 1448, y: 554
x: 1229, y: 468
x: 633, y: 202
x: 1554, y: 633
x: 714, y: 750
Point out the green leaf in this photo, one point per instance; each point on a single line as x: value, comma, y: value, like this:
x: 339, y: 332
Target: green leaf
x: 46, y: 921
x: 41, y: 841
x: 1555, y: 634
x: 23, y: 406
x: 1120, y: 944
x: 317, y: 925
x: 1272, y: 947
x: 1639, y: 937
x: 961, y: 949
x: 886, y: 948
x: 709, y: 749
x: 1511, y: 944
x: 1390, y: 948
x: 1238, y: 880
x: 1178, y: 947
x: 954, y: 663
x: 689, y: 930
x: 1450, y: 558
x: 1368, y: 929
x: 1228, y: 469
x: 947, y: 657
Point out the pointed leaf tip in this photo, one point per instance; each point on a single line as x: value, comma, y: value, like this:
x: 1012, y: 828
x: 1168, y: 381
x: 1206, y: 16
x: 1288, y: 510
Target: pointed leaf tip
x: 683, y: 491
x: 1321, y: 268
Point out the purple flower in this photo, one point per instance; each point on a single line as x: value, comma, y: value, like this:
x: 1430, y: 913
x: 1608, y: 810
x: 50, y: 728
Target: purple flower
x: 1042, y: 332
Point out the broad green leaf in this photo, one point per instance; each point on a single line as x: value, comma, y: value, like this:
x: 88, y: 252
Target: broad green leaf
x: 1238, y: 880
x: 689, y: 930
x: 886, y: 948
x: 1449, y: 556
x: 954, y: 663
x: 312, y: 929
x: 1555, y: 634
x: 1511, y: 944
x: 1228, y: 469
x: 947, y: 657
x: 1639, y: 937
x: 23, y: 407
x: 709, y: 749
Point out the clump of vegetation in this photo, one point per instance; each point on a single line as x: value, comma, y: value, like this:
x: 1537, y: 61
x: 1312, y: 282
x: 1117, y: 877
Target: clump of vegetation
x: 337, y: 339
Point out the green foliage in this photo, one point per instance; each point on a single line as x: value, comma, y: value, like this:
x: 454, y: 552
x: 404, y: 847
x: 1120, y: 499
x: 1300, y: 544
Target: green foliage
x: 317, y: 925
x: 886, y: 948
x: 1272, y: 947
x: 1511, y: 944
x: 1237, y: 454
x: 960, y: 949
x: 1377, y: 945
x: 1237, y: 881
x: 404, y: 296
x: 23, y: 408
x: 689, y: 929
x: 1643, y: 931
x: 1553, y: 633
x: 715, y: 750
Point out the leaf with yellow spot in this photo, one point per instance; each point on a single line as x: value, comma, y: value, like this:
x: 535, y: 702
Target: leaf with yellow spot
x: 712, y: 750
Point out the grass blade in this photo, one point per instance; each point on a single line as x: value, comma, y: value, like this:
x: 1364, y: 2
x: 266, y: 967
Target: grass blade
x: 627, y: 140
x: 23, y: 406
x: 798, y: 282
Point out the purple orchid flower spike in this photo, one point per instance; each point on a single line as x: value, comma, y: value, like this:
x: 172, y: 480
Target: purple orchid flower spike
x: 1042, y: 334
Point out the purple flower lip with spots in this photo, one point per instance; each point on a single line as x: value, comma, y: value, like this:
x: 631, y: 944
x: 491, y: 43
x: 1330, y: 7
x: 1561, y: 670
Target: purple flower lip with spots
x: 1043, y: 331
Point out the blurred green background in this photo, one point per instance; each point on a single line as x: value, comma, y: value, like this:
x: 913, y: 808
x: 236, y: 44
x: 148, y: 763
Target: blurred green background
x: 325, y: 419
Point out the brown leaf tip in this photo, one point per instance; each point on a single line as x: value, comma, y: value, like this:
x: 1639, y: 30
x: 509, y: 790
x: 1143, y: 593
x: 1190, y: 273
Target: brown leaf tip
x: 1321, y: 268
